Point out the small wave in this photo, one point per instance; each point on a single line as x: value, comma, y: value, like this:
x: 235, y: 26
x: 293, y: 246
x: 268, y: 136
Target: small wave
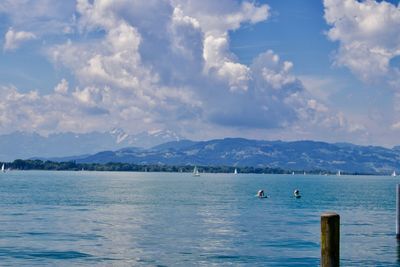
x: 232, y: 258
x: 224, y: 257
x: 36, y: 233
x: 64, y: 236
x: 300, y: 244
x: 17, y: 214
x: 69, y: 254
x: 48, y: 254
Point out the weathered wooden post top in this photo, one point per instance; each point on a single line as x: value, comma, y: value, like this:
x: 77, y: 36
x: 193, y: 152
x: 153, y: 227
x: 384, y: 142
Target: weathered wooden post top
x: 330, y: 239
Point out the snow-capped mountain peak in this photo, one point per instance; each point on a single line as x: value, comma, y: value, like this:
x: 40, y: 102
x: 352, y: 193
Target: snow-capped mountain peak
x: 119, y: 134
x: 165, y: 134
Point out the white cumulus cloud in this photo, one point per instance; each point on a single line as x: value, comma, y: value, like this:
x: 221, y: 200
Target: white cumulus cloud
x: 62, y: 87
x: 368, y: 33
x: 13, y: 39
x: 163, y: 64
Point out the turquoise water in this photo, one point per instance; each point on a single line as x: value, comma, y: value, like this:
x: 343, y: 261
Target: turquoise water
x: 169, y: 219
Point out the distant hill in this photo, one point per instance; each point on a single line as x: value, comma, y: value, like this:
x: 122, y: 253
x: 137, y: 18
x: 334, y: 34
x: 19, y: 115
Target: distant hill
x: 28, y: 145
x: 298, y: 155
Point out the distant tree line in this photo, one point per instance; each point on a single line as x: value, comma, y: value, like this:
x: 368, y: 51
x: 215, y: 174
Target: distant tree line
x: 20, y: 164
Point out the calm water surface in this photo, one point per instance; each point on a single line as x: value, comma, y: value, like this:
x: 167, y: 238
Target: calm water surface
x: 164, y: 219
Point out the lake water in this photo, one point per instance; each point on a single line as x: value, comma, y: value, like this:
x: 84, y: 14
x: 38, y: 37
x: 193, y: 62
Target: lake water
x: 171, y: 219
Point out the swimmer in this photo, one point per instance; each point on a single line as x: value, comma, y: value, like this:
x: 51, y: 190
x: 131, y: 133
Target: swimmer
x: 260, y: 193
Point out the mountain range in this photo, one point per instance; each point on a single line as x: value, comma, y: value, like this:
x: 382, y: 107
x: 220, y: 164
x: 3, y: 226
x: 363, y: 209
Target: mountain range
x: 297, y: 155
x: 167, y: 147
x: 22, y: 145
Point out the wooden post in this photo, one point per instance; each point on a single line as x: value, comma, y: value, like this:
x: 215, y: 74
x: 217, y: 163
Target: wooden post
x: 398, y: 211
x: 330, y: 239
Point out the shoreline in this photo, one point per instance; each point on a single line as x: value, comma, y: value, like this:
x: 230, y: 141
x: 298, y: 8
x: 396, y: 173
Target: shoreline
x: 132, y: 167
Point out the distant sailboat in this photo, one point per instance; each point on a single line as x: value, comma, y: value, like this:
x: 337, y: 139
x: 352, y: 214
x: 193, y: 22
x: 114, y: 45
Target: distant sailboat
x: 292, y: 173
x: 235, y: 172
x: 196, y: 171
x: 3, y: 168
x: 338, y: 173
x: 394, y: 173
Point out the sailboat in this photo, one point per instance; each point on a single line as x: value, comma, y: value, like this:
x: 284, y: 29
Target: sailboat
x: 394, y: 173
x: 235, y: 172
x: 3, y: 168
x: 338, y: 173
x: 196, y: 171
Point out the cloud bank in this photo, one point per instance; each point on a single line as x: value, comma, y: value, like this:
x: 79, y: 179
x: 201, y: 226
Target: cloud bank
x: 156, y: 64
x: 368, y: 33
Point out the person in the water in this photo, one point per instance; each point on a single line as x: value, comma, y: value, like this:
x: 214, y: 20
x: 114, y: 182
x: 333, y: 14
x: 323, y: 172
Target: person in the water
x: 296, y: 193
x: 260, y: 193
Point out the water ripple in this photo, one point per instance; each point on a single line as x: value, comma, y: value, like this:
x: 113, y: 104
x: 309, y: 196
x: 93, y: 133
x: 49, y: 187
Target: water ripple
x: 49, y: 254
x: 159, y: 219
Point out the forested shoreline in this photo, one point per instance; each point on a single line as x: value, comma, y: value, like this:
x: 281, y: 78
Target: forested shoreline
x: 20, y: 164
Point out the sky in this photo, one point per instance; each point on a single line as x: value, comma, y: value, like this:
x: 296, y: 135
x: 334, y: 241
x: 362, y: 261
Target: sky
x: 269, y: 69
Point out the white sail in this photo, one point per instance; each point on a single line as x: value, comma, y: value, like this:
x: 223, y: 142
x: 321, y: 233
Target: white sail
x: 235, y: 172
x: 394, y: 173
x: 338, y: 173
x: 3, y: 168
x: 196, y: 172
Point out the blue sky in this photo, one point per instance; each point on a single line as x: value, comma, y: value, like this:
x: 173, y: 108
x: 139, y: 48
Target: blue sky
x: 323, y: 70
